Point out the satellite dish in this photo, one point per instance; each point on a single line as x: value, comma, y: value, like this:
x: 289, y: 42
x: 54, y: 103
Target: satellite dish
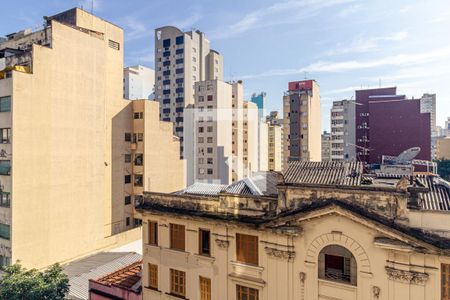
x: 407, y: 156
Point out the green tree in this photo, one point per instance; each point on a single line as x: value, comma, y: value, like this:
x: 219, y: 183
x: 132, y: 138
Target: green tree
x: 17, y: 283
x: 444, y: 168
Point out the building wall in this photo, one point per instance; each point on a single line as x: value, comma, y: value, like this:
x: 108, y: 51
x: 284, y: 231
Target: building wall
x: 396, y: 126
x: 138, y: 82
x: 279, y: 277
x: 326, y: 146
x: 443, y: 148
x: 275, y: 148
x: 250, y: 136
x: 237, y: 132
x: 64, y: 157
x: 343, y: 130
x: 261, y: 102
x: 302, y: 125
x: 214, y: 66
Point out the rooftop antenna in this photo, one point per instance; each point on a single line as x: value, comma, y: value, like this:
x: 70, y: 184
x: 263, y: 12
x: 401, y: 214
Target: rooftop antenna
x: 305, y: 74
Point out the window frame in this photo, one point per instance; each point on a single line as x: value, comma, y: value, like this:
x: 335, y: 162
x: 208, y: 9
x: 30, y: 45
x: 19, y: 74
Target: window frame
x: 205, y: 288
x: 247, y: 249
x: 153, y: 233
x: 177, y: 242
x: 248, y: 292
x: 178, y: 283
x: 202, y: 250
x: 152, y: 276
x: 445, y: 281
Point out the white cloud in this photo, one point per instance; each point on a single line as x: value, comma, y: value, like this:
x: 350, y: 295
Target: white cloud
x: 352, y: 65
x: 187, y: 23
x: 365, y: 44
x: 135, y: 29
x: 287, y: 12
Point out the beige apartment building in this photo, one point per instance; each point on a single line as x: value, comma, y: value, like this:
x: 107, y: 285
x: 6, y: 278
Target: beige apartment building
x: 70, y: 140
x: 182, y: 59
x: 313, y: 233
x: 302, y: 122
x: 275, y: 147
x: 221, y: 144
x: 443, y: 148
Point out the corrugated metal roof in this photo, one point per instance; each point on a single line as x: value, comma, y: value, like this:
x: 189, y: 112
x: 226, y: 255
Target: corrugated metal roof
x: 328, y: 173
x: 94, y: 267
x: 439, y: 196
x: 201, y: 188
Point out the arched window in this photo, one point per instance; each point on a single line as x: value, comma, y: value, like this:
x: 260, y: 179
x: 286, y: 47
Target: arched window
x: 337, y: 264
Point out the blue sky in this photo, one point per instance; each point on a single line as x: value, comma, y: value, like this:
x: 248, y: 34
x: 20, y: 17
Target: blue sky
x: 343, y: 44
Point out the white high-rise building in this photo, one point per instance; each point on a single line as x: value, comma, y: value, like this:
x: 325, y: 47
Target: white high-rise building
x: 181, y: 60
x: 428, y: 105
x: 343, y: 130
x: 138, y: 82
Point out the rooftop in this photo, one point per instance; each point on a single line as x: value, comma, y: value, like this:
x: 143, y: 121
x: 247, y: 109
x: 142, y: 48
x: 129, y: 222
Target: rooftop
x: 128, y: 277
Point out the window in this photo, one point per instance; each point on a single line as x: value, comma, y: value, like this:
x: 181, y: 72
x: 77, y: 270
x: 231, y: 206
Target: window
x: 337, y: 264
x: 200, y: 129
x: 166, y: 43
x: 445, y: 272
x: 138, y: 180
x: 4, y: 261
x: 153, y: 276
x: 205, y: 288
x: 201, y: 98
x: 138, y: 115
x: 209, y: 160
x: 209, y: 150
x: 127, y: 158
x: 210, y: 171
x: 127, y: 179
x: 114, y: 45
x: 177, y: 283
x: 209, y: 139
x: 5, y: 231
x: 139, y: 159
x: 177, y: 239
x: 127, y: 221
x: 210, y: 98
x: 246, y: 293
x: 127, y: 200
x: 127, y: 137
x: 5, y: 167
x: 4, y: 199
x: 247, y: 249
x: 210, y: 129
x: 5, y: 135
x: 200, y: 139
x: 204, y: 242
x: 153, y: 233
x: 5, y: 104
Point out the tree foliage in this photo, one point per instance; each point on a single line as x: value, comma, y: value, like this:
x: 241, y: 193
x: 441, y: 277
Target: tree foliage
x: 17, y: 283
x: 444, y: 168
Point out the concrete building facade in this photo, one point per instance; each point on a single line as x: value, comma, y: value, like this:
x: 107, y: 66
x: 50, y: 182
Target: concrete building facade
x: 443, y: 148
x: 261, y: 102
x: 182, y: 59
x: 138, y: 83
x: 309, y: 241
x: 302, y: 125
x: 388, y: 124
x: 343, y: 130
x: 251, y: 127
x: 275, y: 141
x: 70, y: 148
x: 326, y: 146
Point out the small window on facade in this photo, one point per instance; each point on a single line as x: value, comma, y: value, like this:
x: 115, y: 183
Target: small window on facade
x: 5, y: 231
x: 5, y: 167
x: 210, y: 171
x: 336, y: 263
x: 209, y: 139
x: 179, y: 40
x: 5, y: 135
x: 114, y: 45
x: 209, y: 161
x: 247, y: 249
x: 205, y: 288
x: 127, y: 158
x: 246, y: 293
x: 127, y: 200
x: 127, y: 137
x: 210, y: 129
x: 127, y: 221
x: 153, y: 276
x: 200, y: 129
x: 127, y: 179
x: 139, y: 159
x: 209, y: 150
x: 166, y: 43
x: 210, y: 98
x: 204, y: 242
x: 177, y: 237
x: 153, y: 233
x: 138, y: 180
x: 5, y: 104
x: 4, y: 199
x: 138, y: 115
x: 178, y: 283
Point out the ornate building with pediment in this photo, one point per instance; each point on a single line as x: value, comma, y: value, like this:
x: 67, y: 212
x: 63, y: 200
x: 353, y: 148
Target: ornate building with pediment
x: 317, y: 231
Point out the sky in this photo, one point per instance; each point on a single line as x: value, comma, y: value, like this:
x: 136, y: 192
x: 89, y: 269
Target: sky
x: 343, y: 44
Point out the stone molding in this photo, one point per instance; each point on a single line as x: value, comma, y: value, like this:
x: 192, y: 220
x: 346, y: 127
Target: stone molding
x: 411, y: 277
x: 283, y: 254
x: 224, y: 244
